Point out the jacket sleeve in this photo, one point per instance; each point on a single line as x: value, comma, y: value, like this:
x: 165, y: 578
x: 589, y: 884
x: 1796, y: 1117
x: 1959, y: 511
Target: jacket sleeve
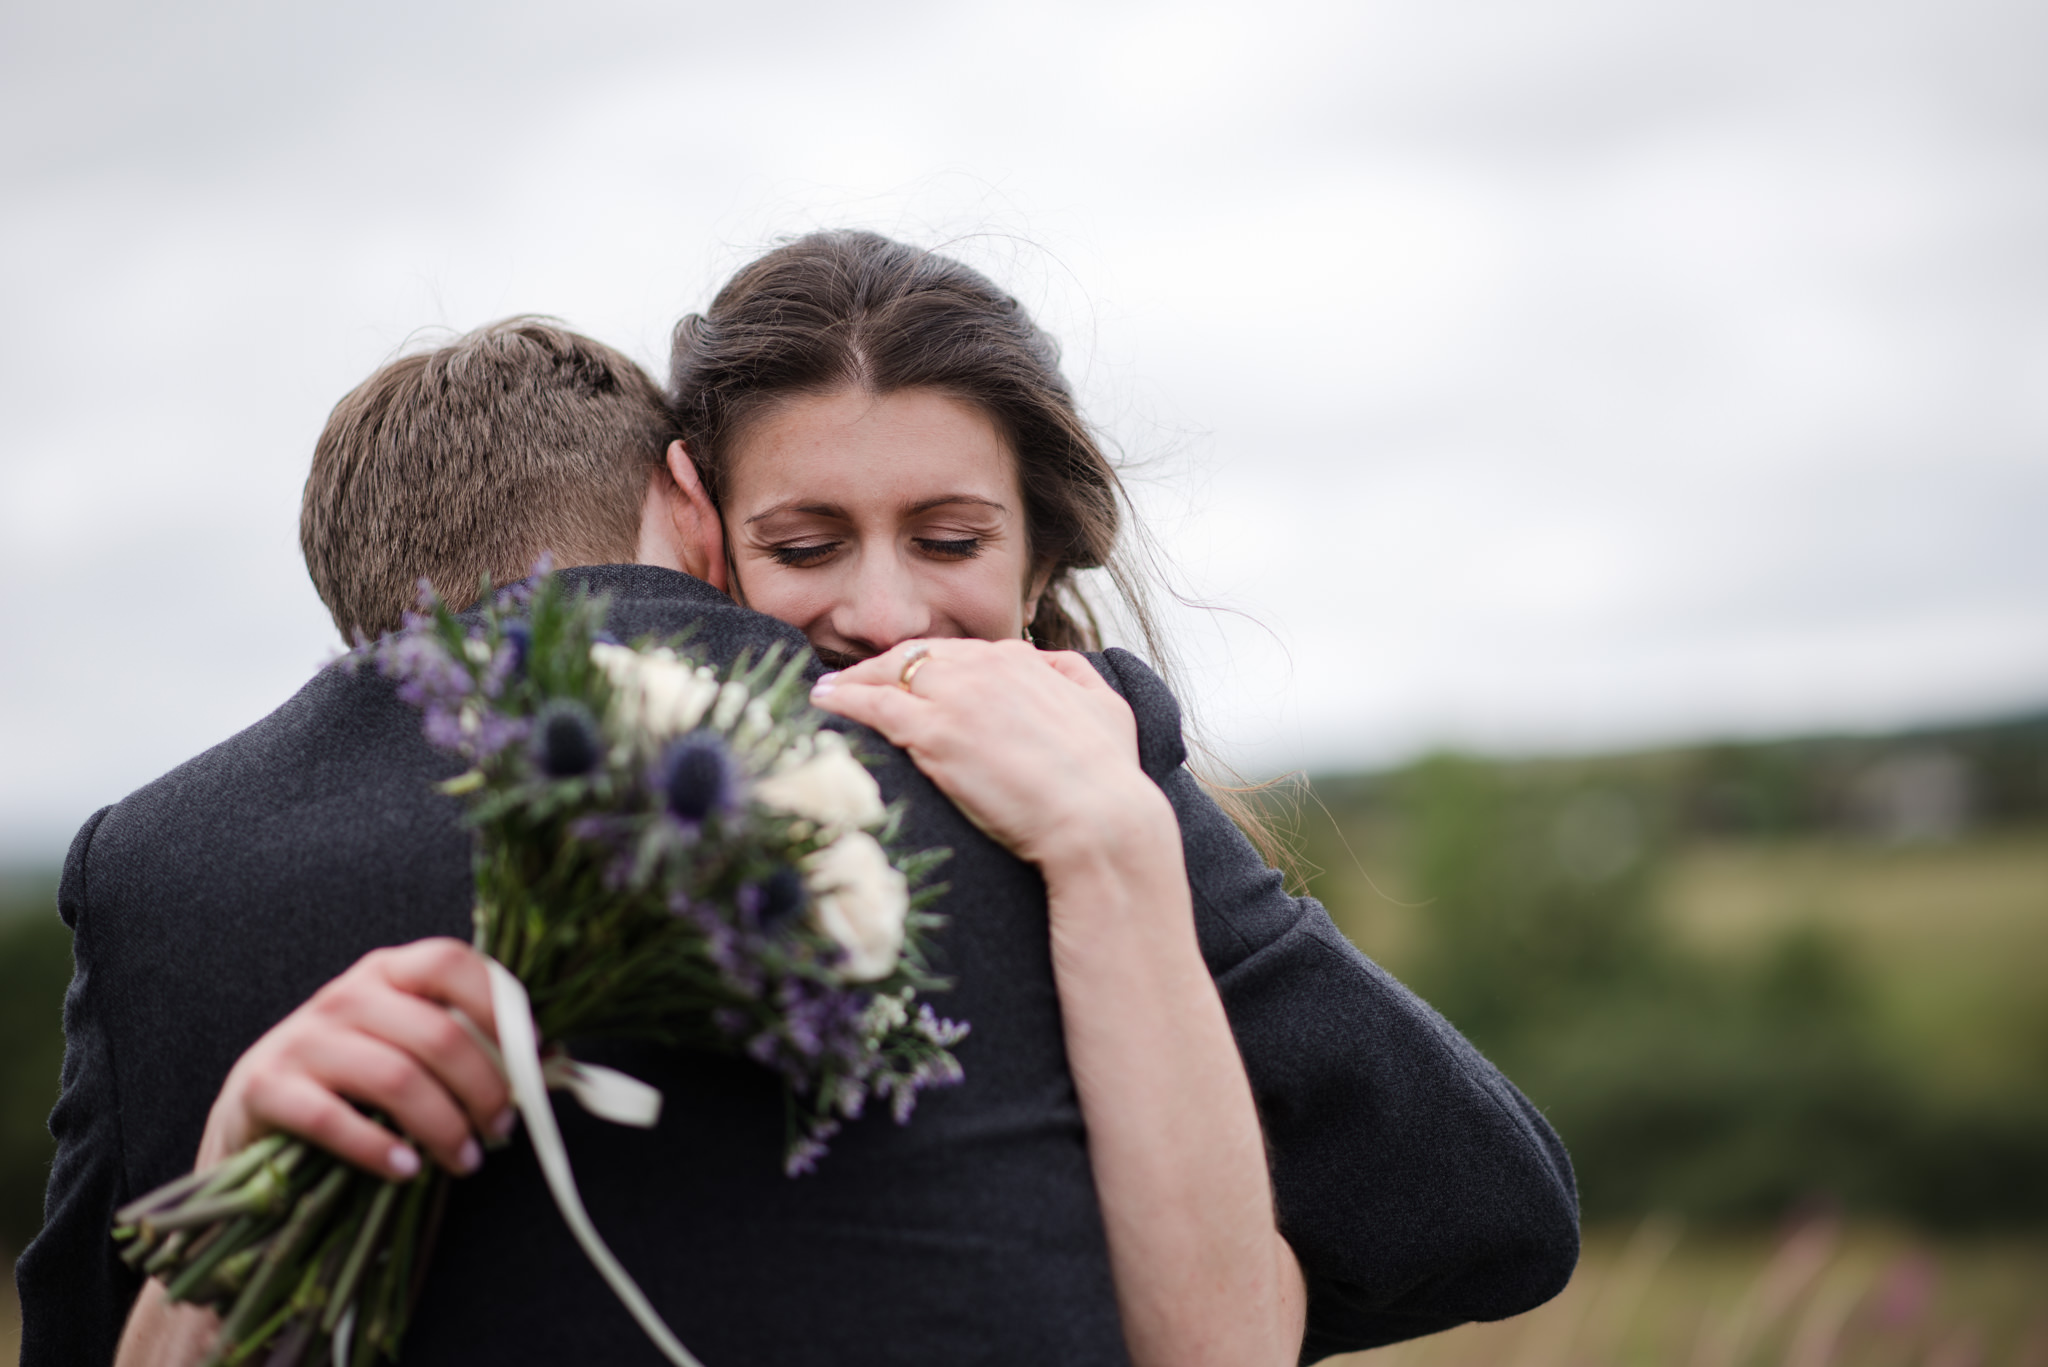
x: 74, y: 1289
x: 1416, y: 1185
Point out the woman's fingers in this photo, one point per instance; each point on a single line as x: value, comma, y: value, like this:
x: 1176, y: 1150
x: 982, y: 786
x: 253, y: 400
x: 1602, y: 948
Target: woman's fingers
x: 296, y: 1104
x: 353, y: 1064
x: 443, y: 970
x: 988, y: 722
x: 426, y: 1031
x: 900, y: 718
x: 888, y: 667
x: 1074, y: 666
x: 380, y: 1035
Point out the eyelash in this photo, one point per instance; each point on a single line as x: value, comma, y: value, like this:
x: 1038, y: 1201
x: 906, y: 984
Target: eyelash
x: 800, y: 557
x: 964, y: 548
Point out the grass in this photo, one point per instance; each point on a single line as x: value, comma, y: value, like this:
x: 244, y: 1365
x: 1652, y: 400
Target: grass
x: 1818, y: 1295
x: 1952, y: 937
x: 1660, y: 1296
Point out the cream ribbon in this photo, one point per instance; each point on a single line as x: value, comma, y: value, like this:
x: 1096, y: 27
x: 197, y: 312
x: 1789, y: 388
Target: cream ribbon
x: 605, y: 1093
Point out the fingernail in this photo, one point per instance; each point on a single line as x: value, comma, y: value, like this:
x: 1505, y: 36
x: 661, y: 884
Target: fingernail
x: 501, y: 1128
x: 471, y: 1158
x: 404, y: 1163
x: 825, y: 684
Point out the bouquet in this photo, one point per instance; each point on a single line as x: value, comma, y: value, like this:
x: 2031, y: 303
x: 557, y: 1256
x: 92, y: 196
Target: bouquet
x: 663, y: 851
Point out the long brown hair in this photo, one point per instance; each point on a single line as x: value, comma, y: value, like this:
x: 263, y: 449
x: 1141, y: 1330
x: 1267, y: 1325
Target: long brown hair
x: 848, y: 309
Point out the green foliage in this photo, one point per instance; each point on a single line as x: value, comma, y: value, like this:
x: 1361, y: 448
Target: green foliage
x: 35, y: 966
x: 1724, y: 1085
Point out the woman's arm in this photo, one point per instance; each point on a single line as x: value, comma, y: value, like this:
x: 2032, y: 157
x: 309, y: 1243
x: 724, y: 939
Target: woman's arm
x: 1036, y: 749
x: 1202, y: 1273
x: 1417, y: 1187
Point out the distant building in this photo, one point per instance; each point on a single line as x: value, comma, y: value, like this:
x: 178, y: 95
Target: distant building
x: 1913, y: 797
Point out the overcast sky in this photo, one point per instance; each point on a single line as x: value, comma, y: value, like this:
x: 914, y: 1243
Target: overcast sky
x: 1531, y: 374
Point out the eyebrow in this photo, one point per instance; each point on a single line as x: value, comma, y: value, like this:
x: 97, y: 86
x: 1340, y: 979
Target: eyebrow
x: 834, y: 510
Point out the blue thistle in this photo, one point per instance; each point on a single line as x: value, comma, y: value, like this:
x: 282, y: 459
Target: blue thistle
x: 783, y: 898
x: 519, y: 639
x: 695, y: 777
x: 566, y: 743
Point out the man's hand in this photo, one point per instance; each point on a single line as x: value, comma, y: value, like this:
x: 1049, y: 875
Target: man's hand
x: 380, y: 1034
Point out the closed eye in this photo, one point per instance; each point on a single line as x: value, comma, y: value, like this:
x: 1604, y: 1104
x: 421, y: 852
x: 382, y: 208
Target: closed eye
x: 800, y: 556
x: 965, y: 548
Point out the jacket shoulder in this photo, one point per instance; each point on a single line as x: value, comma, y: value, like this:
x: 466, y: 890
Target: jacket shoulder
x: 1162, y: 748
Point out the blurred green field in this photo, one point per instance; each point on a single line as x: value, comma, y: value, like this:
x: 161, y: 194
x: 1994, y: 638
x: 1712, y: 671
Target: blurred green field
x: 1738, y: 979
x: 1950, y: 940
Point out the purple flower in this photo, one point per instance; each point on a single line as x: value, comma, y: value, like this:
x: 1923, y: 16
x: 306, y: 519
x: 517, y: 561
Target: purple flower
x: 565, y: 740
x: 695, y: 777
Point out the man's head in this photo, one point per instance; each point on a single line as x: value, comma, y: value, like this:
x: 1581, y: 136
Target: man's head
x: 475, y: 458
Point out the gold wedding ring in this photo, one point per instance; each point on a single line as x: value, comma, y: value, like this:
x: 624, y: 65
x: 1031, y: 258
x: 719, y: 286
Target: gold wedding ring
x: 912, y: 662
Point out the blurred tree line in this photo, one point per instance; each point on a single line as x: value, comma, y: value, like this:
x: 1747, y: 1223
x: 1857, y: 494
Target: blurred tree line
x: 1732, y: 1087
x: 35, y: 966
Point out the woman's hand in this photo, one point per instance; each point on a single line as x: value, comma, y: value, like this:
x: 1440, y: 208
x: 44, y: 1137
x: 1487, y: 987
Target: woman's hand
x: 380, y: 1034
x: 1032, y: 745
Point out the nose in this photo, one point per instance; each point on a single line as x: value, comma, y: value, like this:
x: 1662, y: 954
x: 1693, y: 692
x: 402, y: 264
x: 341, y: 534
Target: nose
x: 885, y: 604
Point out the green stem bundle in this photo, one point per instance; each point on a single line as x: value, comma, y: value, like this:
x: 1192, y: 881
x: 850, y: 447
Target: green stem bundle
x: 287, y: 1244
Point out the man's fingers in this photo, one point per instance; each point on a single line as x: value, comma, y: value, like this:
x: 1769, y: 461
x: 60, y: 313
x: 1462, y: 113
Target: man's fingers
x: 297, y: 1105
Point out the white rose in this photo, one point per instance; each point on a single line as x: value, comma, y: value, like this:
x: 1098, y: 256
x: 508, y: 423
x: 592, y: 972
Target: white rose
x: 675, y: 696
x: 656, y: 693
x: 829, y: 786
x: 860, y: 900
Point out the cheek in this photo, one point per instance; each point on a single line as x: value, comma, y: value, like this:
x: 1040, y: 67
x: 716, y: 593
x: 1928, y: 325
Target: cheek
x: 798, y: 597
x: 984, y: 598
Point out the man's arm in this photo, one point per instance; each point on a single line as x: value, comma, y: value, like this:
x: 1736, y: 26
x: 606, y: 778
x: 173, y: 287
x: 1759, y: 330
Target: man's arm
x: 74, y: 1289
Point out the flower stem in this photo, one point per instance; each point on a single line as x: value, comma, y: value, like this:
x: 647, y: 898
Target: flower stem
x: 358, y: 1256
x: 223, y: 1242
x: 257, y: 1297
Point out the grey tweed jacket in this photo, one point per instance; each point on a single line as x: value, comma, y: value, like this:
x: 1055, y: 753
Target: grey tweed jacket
x: 1415, y: 1183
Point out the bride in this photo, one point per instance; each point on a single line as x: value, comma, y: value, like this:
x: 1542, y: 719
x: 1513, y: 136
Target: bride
x: 901, y: 474
x: 900, y: 471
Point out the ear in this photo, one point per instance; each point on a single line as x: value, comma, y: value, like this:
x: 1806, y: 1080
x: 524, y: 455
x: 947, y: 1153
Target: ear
x: 1041, y: 575
x: 679, y: 527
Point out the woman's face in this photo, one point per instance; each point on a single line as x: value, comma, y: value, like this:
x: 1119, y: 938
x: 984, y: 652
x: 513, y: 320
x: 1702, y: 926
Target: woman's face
x: 865, y: 519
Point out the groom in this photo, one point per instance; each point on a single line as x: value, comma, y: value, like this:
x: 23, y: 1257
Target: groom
x: 211, y: 905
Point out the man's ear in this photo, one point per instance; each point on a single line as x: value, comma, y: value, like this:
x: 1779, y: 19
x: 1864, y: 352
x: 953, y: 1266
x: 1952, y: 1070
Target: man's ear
x: 693, y: 528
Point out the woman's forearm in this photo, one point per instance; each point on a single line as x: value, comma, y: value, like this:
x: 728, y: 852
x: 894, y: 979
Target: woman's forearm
x: 1202, y: 1273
